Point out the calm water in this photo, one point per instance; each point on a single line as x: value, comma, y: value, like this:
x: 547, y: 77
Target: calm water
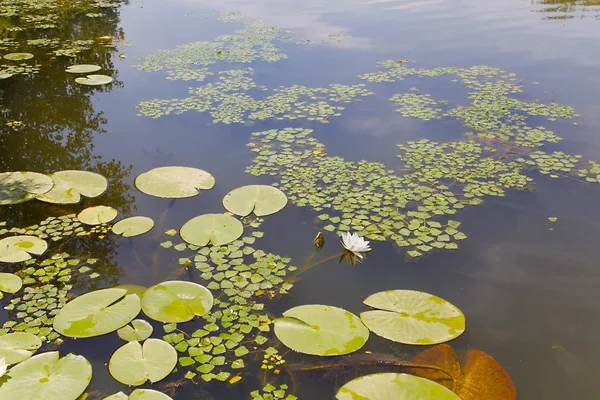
x: 530, y: 289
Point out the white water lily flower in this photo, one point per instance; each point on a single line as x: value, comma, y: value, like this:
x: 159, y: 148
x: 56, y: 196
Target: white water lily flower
x: 3, y: 367
x: 355, y: 244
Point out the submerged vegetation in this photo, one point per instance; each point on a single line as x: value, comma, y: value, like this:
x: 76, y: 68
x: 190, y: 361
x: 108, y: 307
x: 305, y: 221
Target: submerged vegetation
x: 210, y: 320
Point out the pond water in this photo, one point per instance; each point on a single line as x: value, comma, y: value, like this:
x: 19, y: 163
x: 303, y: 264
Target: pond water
x: 524, y: 270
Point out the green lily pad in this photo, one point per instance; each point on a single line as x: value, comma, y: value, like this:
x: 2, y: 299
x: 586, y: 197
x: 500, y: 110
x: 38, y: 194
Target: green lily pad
x: 134, y: 364
x: 138, y: 330
x: 82, y: 68
x: 321, y: 330
x: 93, y: 80
x: 138, y: 290
x: 9, y: 283
x: 18, y: 346
x: 174, y: 182
x: 97, y: 215
x: 390, y: 385
x: 139, y: 394
x: 216, y: 229
x: 97, y: 313
x: 19, y: 248
x: 48, y: 377
x: 260, y: 199
x: 70, y: 185
x: 18, y: 56
x: 21, y: 186
x: 133, y: 226
x: 176, y: 301
x: 411, y: 317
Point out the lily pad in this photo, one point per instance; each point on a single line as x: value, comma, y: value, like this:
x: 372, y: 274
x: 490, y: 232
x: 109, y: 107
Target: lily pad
x: 46, y: 376
x: 133, y: 226
x: 82, y: 68
x: 97, y: 215
x: 97, y: 313
x: 94, y: 80
x: 390, y: 385
x: 18, y: 56
x: 216, y: 229
x: 138, y: 290
x: 18, y: 346
x: 321, y: 330
x: 260, y: 199
x: 19, y: 248
x: 138, y: 330
x: 411, y: 317
x: 134, y: 364
x: 9, y: 283
x: 174, y: 182
x: 21, y: 186
x: 139, y: 394
x: 70, y: 185
x: 176, y: 301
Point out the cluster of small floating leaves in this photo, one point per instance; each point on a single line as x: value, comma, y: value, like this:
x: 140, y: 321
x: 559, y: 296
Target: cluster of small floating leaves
x: 418, y: 105
x: 440, y: 179
x: 591, y: 173
x: 554, y: 164
x: 270, y: 392
x: 45, y: 289
x: 8, y: 70
x: 492, y: 111
x: 228, y: 102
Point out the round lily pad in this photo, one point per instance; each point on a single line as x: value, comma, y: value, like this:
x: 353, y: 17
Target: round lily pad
x: 260, y: 199
x: 216, y: 229
x: 174, y: 182
x: 9, y: 283
x: 20, y: 186
x: 133, y: 226
x: 176, y: 301
x: 70, y: 185
x: 321, y: 330
x: 138, y: 330
x: 48, y: 377
x: 19, y: 248
x: 97, y: 313
x: 97, y: 215
x: 82, y: 68
x: 18, y: 346
x: 134, y: 364
x: 390, y: 385
x: 18, y: 56
x: 94, y: 80
x: 139, y: 394
x: 411, y: 317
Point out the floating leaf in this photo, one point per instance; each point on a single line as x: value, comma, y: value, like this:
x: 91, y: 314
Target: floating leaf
x: 18, y: 346
x: 134, y: 364
x: 97, y: 313
x: 390, y: 385
x: 18, y: 56
x: 411, y: 317
x: 138, y: 330
x: 216, y: 229
x: 133, y: 226
x: 47, y: 377
x: 82, y: 68
x: 21, y: 186
x: 139, y: 394
x: 552, y: 219
x: 70, y: 185
x: 18, y: 248
x: 137, y: 290
x: 478, y: 376
x: 174, y: 182
x: 176, y: 301
x: 93, y: 80
x: 260, y: 199
x: 9, y: 283
x: 97, y: 215
x: 321, y: 330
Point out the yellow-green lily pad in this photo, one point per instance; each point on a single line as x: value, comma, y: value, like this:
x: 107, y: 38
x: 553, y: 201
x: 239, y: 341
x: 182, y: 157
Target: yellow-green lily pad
x: 216, y: 229
x: 18, y: 346
x: 138, y: 330
x: 174, y: 182
x: 176, y: 301
x: 19, y: 248
x: 9, y: 283
x: 20, y: 186
x: 97, y: 215
x: 134, y: 364
x: 70, y: 185
x: 133, y: 226
x: 260, y: 199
